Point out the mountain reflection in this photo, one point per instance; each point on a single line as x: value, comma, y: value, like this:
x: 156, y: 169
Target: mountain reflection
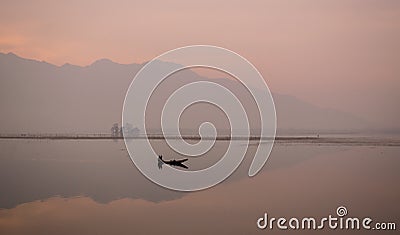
x: 103, y: 171
x: 335, y: 176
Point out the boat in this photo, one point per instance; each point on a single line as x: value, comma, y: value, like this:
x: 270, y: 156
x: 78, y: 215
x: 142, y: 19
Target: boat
x: 173, y: 162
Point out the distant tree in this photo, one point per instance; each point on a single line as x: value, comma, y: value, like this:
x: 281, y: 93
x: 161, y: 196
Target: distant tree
x: 129, y: 130
x: 114, y: 130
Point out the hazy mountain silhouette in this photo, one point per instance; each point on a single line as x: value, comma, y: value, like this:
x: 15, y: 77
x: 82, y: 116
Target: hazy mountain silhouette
x: 41, y: 97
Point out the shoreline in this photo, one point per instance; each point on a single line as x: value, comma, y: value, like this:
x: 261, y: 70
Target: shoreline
x: 152, y: 137
x: 324, y: 140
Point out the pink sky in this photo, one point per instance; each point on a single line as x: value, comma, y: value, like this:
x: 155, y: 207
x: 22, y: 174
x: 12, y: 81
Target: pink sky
x: 336, y: 54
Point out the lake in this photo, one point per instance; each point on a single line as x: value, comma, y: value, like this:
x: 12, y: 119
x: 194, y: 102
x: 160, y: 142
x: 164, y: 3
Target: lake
x: 92, y: 187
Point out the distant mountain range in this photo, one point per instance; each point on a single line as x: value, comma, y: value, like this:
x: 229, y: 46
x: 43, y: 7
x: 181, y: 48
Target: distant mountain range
x: 38, y: 97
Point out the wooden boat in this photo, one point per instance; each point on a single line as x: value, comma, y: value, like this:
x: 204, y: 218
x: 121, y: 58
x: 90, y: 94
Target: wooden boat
x: 173, y: 162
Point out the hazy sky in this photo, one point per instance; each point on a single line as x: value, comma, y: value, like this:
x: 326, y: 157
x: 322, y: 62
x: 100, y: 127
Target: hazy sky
x: 337, y: 54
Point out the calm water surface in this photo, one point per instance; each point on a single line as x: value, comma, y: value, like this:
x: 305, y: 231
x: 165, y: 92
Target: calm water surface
x: 92, y: 187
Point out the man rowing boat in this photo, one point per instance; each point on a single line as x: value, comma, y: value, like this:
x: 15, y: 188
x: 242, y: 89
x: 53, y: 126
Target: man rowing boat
x: 171, y: 162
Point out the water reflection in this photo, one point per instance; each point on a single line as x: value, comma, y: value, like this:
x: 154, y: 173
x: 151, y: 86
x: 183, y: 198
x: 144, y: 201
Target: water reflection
x: 39, y: 169
x: 313, y: 186
x: 102, y: 170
